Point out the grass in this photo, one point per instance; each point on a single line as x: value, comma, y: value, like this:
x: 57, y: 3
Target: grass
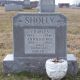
x: 73, y: 35
x: 73, y: 41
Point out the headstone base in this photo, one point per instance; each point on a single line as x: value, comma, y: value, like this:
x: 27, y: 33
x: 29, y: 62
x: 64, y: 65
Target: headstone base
x: 33, y: 65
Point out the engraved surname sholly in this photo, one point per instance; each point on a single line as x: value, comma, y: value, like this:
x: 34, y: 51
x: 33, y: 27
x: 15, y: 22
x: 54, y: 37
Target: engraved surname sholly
x: 39, y: 41
x: 40, y: 20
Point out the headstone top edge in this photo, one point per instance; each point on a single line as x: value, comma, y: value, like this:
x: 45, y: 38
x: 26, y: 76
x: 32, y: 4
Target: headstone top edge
x: 24, y: 13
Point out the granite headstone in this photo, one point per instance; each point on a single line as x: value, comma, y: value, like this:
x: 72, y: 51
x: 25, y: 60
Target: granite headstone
x: 26, y: 4
x: 47, y: 5
x: 13, y: 7
x: 38, y: 37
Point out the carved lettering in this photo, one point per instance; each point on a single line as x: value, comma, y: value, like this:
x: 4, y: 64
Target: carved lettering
x: 39, y: 41
x: 40, y: 20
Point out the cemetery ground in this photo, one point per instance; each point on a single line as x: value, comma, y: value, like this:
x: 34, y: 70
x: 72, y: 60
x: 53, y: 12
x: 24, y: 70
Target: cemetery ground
x: 73, y: 41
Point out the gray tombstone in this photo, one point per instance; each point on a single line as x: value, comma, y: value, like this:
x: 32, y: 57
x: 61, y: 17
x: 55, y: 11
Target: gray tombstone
x: 38, y: 37
x: 13, y: 7
x: 47, y: 5
x: 26, y: 4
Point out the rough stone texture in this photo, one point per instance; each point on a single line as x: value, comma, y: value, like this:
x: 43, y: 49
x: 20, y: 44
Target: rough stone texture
x: 41, y: 24
x: 13, y: 7
x: 56, y: 70
x: 47, y: 5
x: 35, y: 64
